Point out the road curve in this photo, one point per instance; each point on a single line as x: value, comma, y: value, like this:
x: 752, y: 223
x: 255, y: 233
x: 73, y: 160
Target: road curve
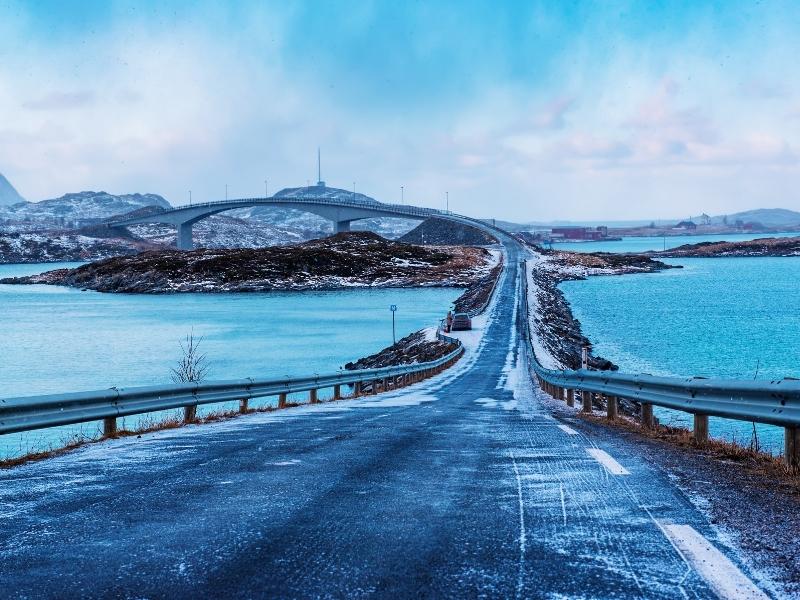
x: 464, y: 485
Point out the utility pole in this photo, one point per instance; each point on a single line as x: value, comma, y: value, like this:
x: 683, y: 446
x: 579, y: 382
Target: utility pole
x: 190, y: 197
x: 447, y: 201
x: 354, y: 190
x: 266, y: 189
x: 226, y: 191
x: 393, y: 308
x: 402, y: 199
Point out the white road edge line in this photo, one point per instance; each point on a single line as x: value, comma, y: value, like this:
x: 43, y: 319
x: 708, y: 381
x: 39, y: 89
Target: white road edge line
x: 713, y: 566
x: 567, y: 429
x: 605, y: 459
x: 522, y: 534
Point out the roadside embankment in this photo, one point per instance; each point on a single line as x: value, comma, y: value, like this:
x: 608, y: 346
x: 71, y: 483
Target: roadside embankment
x: 557, y: 334
x: 356, y: 259
x: 423, y: 345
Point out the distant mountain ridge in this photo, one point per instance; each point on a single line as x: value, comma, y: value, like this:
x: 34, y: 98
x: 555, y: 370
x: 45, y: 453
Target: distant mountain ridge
x: 8, y: 195
x: 769, y: 217
x: 82, y: 208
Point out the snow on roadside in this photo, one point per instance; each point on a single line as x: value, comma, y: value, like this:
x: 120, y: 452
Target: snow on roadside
x: 536, y: 314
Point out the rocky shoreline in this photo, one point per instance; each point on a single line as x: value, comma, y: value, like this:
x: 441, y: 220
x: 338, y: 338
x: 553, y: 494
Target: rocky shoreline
x: 420, y: 346
x: 778, y: 247
x: 559, y: 332
x: 355, y: 259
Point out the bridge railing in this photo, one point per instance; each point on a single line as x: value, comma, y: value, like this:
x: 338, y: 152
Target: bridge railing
x: 400, y: 209
x: 39, y: 412
x: 774, y: 402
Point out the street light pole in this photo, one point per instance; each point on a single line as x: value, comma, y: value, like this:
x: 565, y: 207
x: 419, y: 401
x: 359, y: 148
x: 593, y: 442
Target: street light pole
x: 393, y: 308
x: 226, y: 191
x: 266, y: 189
x: 190, y: 197
x: 447, y: 201
x: 402, y: 197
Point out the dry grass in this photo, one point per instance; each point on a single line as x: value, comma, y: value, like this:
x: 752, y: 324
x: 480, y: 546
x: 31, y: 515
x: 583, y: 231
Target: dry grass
x: 749, y: 458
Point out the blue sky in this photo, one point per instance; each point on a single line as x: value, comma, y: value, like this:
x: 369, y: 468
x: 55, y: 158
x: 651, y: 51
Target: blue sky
x: 520, y: 110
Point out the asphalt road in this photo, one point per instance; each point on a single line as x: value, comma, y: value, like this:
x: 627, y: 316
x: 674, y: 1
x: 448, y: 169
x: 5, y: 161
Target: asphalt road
x: 461, y: 486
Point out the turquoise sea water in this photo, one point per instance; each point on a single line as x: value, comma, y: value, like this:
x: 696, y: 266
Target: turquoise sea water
x: 720, y: 317
x: 56, y: 339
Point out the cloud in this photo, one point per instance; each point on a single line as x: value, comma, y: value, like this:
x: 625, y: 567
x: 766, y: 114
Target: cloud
x: 61, y: 101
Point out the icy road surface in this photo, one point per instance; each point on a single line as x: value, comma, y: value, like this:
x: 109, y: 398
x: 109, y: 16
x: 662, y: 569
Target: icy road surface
x: 461, y: 486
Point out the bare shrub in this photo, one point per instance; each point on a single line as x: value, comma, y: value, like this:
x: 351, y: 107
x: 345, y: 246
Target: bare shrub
x: 193, y: 365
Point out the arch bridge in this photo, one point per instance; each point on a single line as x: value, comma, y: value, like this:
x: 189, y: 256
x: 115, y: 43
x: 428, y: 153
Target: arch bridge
x: 336, y: 205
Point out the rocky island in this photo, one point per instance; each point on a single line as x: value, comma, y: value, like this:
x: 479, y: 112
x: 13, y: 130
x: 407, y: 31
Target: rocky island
x: 355, y: 259
x: 783, y: 246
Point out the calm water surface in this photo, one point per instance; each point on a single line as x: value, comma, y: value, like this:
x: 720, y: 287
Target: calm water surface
x: 56, y: 339
x: 716, y: 317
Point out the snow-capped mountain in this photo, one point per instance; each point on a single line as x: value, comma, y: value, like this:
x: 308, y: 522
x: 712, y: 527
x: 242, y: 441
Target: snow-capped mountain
x: 8, y: 195
x: 221, y: 231
x: 78, y: 210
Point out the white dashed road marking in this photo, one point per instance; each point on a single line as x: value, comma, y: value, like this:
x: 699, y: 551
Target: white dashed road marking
x: 605, y: 459
x: 720, y: 573
x: 567, y: 429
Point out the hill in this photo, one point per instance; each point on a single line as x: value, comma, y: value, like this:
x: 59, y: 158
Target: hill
x: 355, y: 259
x: 769, y: 217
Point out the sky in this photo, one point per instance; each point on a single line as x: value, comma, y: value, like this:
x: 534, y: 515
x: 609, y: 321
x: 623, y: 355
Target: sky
x: 517, y: 110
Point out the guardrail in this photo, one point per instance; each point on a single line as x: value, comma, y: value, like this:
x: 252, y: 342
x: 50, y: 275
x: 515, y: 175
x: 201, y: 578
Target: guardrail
x: 770, y: 402
x: 39, y: 412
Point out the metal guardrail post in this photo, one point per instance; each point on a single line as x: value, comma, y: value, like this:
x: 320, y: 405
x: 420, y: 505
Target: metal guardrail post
x: 647, y: 416
x: 190, y: 413
x: 109, y: 427
x: 586, y: 397
x: 243, y: 405
x: 337, y: 392
x: 791, y: 449
x: 700, y: 433
x: 312, y: 396
x: 570, y: 397
x: 282, y: 400
x: 611, y: 407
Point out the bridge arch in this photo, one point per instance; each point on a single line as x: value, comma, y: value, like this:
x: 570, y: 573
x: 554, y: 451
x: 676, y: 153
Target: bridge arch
x: 339, y: 206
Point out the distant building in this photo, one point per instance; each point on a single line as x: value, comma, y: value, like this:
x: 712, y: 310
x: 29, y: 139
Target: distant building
x: 580, y: 233
x: 688, y: 225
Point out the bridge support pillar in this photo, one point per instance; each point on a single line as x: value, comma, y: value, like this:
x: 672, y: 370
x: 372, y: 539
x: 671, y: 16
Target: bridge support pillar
x: 792, y: 448
x: 701, y: 429
x: 184, y: 241
x: 341, y: 226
